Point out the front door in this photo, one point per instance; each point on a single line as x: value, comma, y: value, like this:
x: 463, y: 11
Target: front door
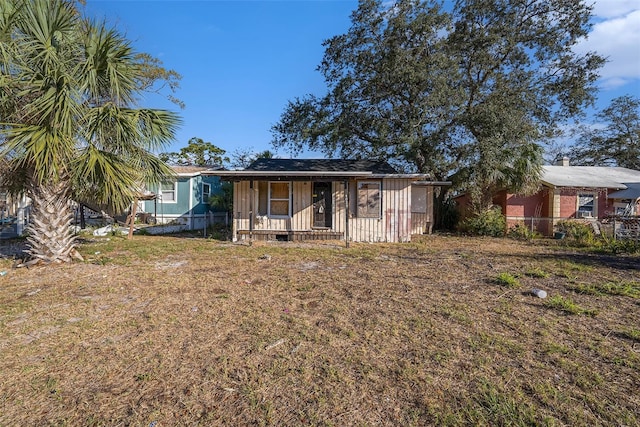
x: 322, y: 204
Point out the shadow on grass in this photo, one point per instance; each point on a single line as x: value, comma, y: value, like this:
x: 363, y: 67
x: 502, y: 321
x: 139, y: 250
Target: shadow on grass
x: 13, y: 249
x: 618, y: 262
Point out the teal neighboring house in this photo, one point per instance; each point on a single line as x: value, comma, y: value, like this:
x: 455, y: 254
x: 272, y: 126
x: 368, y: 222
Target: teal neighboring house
x: 183, y: 201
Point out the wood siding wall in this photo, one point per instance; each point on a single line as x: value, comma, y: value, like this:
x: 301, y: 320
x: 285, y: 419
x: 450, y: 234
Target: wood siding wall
x: 396, y: 210
x: 394, y: 225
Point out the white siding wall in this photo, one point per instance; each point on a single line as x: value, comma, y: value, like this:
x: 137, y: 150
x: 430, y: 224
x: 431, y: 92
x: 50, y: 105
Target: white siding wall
x: 396, y: 209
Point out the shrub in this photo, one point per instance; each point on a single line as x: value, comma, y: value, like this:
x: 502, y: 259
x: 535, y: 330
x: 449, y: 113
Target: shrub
x: 488, y: 223
x: 577, y: 232
x: 219, y: 232
x: 620, y: 246
x: 521, y: 232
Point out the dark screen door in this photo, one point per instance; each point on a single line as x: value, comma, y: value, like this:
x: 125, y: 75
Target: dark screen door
x: 322, y: 204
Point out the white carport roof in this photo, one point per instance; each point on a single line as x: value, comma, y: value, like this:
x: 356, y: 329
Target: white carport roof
x: 589, y: 176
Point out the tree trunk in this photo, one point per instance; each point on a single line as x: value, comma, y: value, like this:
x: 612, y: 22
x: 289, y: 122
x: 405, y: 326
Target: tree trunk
x: 132, y: 219
x: 83, y: 221
x: 50, y: 237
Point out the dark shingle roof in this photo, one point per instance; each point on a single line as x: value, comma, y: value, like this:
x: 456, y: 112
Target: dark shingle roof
x: 322, y: 165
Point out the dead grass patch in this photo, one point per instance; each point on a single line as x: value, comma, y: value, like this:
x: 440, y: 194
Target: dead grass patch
x: 183, y: 331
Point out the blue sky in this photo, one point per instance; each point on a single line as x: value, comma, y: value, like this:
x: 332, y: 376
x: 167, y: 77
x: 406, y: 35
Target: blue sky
x: 241, y: 61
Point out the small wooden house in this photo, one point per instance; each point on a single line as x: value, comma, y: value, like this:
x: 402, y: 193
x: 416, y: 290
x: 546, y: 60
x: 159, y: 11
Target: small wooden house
x: 318, y: 199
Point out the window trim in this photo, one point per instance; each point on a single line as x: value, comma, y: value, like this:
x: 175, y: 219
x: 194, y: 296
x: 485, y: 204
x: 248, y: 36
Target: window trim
x: 205, y: 200
x: 358, y: 189
x: 288, y: 200
x: 174, y: 191
x: 594, y: 204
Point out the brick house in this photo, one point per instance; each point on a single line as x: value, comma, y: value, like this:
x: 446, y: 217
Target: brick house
x: 568, y: 192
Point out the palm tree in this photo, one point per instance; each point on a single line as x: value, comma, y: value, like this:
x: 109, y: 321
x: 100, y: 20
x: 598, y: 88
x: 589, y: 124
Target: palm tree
x: 69, y: 126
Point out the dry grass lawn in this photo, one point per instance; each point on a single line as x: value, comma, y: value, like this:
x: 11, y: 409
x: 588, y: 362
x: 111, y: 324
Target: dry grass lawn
x: 168, y: 331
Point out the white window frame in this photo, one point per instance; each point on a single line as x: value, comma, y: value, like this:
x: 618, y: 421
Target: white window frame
x: 161, y: 192
x: 360, y: 184
x: 594, y: 205
x: 288, y: 200
x: 206, y: 194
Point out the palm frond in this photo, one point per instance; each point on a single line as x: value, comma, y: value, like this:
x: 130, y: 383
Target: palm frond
x: 105, y: 178
x: 40, y: 149
x: 109, y: 69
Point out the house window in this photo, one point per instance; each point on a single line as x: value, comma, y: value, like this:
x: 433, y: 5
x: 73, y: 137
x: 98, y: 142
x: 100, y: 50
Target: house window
x: 369, y: 199
x: 206, y: 192
x: 622, y: 208
x: 279, y: 199
x: 274, y: 199
x: 418, y: 199
x: 586, y: 205
x: 168, y: 192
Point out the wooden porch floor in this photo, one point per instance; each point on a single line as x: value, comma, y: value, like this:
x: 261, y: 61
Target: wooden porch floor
x: 292, y: 236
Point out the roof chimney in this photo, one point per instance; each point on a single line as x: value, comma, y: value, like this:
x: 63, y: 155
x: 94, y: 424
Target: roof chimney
x: 563, y: 162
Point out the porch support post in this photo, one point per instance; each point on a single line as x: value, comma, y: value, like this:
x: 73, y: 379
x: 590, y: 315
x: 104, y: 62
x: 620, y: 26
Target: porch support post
x: 346, y: 210
x: 251, y: 196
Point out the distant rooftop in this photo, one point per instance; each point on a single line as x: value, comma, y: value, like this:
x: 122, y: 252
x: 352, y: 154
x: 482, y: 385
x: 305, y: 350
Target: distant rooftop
x: 589, y: 176
x: 631, y: 192
x: 192, y: 170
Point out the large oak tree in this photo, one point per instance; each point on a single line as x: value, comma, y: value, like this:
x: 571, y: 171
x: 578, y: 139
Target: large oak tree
x: 615, y: 140
x: 466, y: 94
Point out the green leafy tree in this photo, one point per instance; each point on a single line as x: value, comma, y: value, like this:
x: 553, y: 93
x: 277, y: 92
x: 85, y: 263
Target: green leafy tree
x: 466, y: 95
x: 618, y: 142
x: 241, y: 158
x: 223, y: 201
x: 197, y: 153
x: 70, y: 127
